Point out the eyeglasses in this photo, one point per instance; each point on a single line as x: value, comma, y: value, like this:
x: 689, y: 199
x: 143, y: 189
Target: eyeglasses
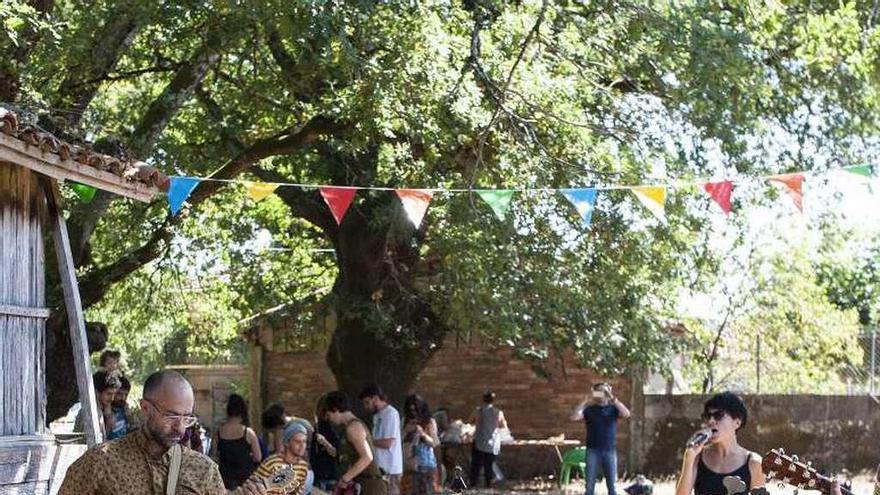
x: 716, y: 415
x: 186, y: 420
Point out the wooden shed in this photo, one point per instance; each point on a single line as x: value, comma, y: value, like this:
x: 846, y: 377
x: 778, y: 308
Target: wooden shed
x: 32, y: 163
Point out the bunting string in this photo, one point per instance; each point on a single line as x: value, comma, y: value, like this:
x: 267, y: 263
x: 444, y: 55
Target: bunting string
x: 861, y: 170
x: 415, y: 201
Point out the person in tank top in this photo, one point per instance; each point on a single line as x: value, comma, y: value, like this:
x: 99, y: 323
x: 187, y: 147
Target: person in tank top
x: 706, y: 465
x: 487, y: 419
x: 356, y: 453
x: 236, y: 447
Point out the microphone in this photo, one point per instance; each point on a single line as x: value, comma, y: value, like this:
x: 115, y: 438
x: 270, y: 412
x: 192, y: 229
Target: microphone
x: 700, y: 437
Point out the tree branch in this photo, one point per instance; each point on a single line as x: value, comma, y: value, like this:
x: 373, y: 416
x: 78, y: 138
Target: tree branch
x: 181, y: 88
x: 120, y: 76
x: 111, y: 40
x: 162, y: 110
x: 292, y: 72
x: 284, y: 143
x: 308, y: 205
x: 16, y: 55
x: 100, y: 279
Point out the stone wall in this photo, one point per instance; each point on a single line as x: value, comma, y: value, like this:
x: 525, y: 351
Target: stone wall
x: 834, y: 432
x: 211, y: 387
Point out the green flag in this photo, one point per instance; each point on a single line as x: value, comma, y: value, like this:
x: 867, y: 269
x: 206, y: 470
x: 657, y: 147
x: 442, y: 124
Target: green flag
x: 863, y: 170
x: 498, y: 199
x: 85, y: 193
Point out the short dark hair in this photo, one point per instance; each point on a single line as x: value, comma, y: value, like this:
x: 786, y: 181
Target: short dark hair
x: 108, y: 354
x: 489, y: 397
x: 273, y: 417
x: 125, y: 384
x: 372, y: 390
x: 729, y: 403
x: 104, y: 380
x: 237, y: 407
x: 337, y: 401
x: 154, y: 382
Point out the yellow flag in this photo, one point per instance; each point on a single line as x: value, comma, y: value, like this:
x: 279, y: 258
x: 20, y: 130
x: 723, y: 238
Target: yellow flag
x: 259, y: 190
x: 653, y: 198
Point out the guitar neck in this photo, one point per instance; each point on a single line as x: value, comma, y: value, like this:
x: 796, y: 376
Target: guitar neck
x: 823, y: 484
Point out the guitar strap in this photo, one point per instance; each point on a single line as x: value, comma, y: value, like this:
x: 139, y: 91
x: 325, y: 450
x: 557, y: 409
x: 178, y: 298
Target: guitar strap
x: 173, y: 470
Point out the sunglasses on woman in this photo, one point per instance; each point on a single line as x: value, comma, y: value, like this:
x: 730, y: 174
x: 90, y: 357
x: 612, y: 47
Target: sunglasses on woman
x: 716, y: 415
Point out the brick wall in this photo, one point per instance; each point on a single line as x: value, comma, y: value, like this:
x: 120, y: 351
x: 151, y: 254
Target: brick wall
x: 536, y: 404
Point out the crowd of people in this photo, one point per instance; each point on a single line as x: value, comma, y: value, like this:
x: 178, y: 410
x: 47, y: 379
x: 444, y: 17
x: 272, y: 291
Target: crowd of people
x: 332, y: 452
x: 162, y: 448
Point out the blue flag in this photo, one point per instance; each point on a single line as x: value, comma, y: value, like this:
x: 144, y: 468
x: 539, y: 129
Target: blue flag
x: 179, y: 191
x: 584, y: 201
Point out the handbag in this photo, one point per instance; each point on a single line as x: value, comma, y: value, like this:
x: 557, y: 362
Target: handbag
x: 496, y: 442
x: 410, y: 459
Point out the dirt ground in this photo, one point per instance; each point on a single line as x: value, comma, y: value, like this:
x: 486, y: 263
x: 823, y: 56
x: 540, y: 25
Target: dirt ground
x: 862, y: 485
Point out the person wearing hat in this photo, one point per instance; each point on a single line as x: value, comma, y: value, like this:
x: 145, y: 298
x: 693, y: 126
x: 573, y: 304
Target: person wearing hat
x: 286, y: 472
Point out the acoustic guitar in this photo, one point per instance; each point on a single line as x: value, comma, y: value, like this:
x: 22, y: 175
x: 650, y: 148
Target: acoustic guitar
x: 788, y: 469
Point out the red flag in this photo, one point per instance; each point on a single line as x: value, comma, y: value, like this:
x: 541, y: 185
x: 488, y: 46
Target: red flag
x: 415, y: 203
x: 720, y: 192
x: 791, y: 183
x: 338, y: 199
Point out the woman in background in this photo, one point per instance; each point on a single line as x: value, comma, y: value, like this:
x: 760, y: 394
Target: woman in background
x: 420, y: 435
x: 236, y: 447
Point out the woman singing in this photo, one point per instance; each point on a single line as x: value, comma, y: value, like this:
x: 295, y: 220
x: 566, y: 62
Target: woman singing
x: 712, y: 465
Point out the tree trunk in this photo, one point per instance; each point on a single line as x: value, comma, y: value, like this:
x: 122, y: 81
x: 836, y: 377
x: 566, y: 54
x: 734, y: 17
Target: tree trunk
x: 386, y: 333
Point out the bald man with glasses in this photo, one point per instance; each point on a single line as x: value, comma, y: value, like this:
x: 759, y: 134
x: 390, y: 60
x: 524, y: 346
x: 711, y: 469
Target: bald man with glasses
x: 149, y: 461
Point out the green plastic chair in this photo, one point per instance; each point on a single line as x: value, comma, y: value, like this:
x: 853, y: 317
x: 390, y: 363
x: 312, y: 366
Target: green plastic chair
x: 575, y: 458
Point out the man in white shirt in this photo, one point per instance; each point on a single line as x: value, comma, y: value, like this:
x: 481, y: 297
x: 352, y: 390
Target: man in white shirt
x: 386, y: 435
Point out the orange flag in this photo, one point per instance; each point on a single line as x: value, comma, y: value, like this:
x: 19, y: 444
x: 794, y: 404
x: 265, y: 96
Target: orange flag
x: 792, y: 184
x: 415, y: 203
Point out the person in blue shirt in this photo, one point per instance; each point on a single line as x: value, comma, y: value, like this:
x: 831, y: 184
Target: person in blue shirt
x: 600, y: 417
x: 121, y: 415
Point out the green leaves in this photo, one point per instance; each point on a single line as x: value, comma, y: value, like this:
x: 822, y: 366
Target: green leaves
x: 494, y: 95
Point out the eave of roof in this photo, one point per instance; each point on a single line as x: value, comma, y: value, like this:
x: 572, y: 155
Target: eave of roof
x: 45, y: 154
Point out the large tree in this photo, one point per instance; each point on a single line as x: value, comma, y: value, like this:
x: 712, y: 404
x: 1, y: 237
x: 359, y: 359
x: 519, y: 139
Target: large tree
x: 477, y: 93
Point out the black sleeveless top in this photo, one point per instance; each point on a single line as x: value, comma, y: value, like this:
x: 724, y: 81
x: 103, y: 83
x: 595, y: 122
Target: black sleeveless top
x: 236, y: 463
x: 709, y: 482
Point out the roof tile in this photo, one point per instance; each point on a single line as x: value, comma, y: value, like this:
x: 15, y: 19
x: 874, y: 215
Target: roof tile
x: 130, y: 170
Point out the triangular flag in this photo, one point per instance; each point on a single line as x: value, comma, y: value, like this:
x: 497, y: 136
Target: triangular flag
x: 85, y: 193
x: 653, y: 198
x: 498, y: 200
x: 720, y: 192
x: 863, y: 170
x: 259, y: 190
x: 584, y: 201
x: 338, y: 199
x: 179, y: 191
x: 791, y: 183
x: 415, y: 203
